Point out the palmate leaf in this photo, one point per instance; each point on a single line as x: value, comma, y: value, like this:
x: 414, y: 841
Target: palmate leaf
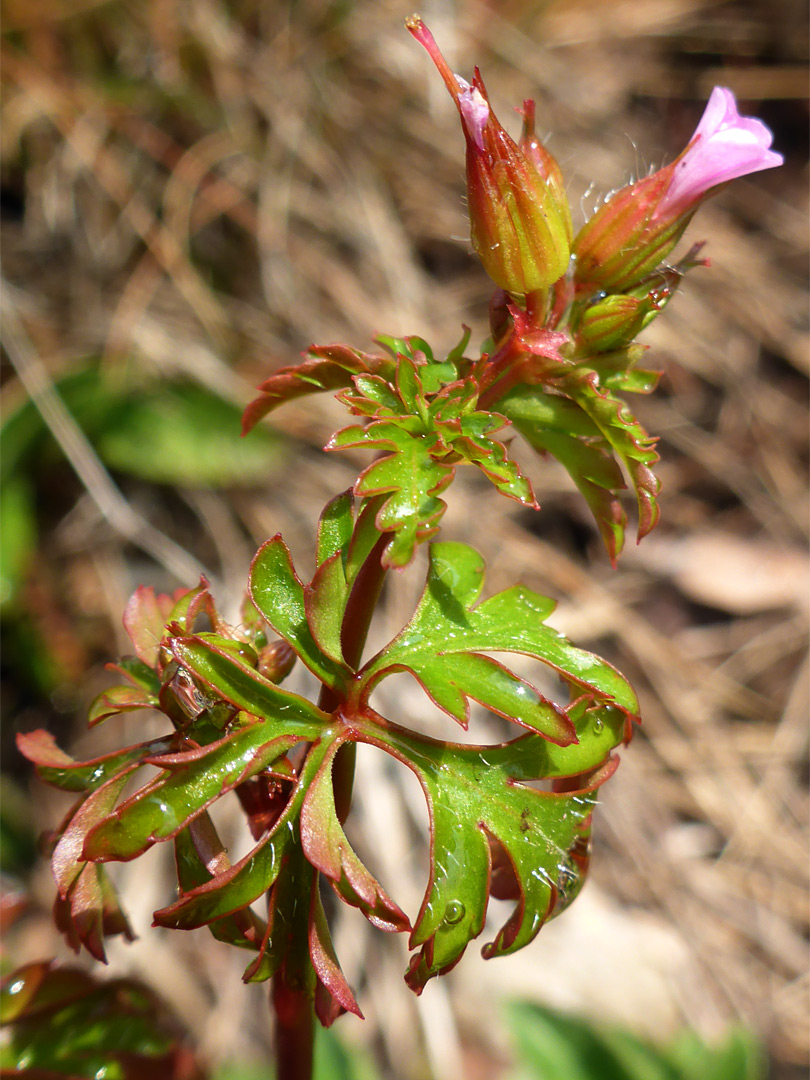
x: 474, y: 794
x: 445, y: 642
x: 491, y: 833
x: 409, y: 475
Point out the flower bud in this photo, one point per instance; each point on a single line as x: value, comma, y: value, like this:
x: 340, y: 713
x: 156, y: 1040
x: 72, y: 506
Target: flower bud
x: 638, y: 227
x: 613, y: 322
x: 520, y: 222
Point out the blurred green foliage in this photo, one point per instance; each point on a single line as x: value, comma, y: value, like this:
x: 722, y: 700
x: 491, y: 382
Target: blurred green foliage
x: 552, y: 1045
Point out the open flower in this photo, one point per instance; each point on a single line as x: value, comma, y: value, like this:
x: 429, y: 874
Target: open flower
x: 520, y: 222
x: 639, y: 226
x: 725, y: 146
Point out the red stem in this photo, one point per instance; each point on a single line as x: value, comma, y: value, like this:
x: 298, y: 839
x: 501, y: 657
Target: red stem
x: 294, y: 1029
x: 295, y: 1022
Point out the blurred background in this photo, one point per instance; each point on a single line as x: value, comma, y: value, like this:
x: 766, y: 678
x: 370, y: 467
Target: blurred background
x: 195, y: 190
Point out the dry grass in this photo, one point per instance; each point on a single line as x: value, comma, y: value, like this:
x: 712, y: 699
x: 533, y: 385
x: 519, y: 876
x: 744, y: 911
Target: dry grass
x: 206, y: 187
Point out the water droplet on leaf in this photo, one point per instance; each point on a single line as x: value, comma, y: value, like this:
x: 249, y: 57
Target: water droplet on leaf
x: 454, y: 912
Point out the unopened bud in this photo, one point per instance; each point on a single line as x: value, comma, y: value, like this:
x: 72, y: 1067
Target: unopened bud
x: 276, y: 661
x: 613, y: 322
x: 520, y: 222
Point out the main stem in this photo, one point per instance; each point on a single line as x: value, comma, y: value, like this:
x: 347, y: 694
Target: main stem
x: 294, y: 1017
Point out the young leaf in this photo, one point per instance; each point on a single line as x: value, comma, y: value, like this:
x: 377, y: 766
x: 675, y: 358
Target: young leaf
x: 558, y: 426
x: 279, y: 595
x: 326, y: 367
x: 120, y: 699
x: 627, y: 437
x: 411, y: 477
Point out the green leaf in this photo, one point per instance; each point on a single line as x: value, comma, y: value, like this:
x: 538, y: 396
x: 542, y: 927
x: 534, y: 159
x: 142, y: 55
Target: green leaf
x: 58, y: 769
x: 327, y: 848
x: 335, y: 527
x: 66, y: 1023
x: 475, y: 793
x: 739, y: 1057
x: 554, y: 1046
x: 237, y: 682
x: 490, y: 456
x: 193, y: 780
x: 245, y: 881
x: 279, y: 595
x: 443, y: 643
x: 559, y: 427
x: 18, y: 536
x: 183, y: 434
x: 328, y: 367
x: 627, y: 437
x: 410, y: 476
x: 243, y: 929
x: 120, y: 699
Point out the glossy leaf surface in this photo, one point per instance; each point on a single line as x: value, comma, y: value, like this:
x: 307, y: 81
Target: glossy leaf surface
x: 445, y: 643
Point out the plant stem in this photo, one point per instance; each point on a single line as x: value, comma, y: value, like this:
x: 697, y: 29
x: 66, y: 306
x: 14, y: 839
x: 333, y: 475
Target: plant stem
x: 295, y: 1022
x: 294, y: 1030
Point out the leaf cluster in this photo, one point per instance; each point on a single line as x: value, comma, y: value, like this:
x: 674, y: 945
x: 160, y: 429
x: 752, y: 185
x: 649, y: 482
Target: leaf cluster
x: 233, y: 728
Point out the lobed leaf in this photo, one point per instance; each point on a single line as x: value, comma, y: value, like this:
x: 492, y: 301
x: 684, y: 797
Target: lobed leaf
x: 191, y: 782
x: 476, y: 794
x: 327, y: 848
x: 55, y: 767
x: 409, y: 475
x: 231, y: 678
x: 239, y: 885
x: 559, y: 427
x: 244, y: 929
x: 629, y: 440
x: 442, y: 647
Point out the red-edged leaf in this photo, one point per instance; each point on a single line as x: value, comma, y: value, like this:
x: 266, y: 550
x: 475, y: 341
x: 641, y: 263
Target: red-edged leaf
x: 278, y: 593
x: 327, y: 848
x: 191, y: 783
x: 627, y: 437
x: 326, y: 367
x: 120, y: 699
x: 91, y: 912
x: 409, y: 475
x: 145, y: 616
x: 62, y: 771
x: 244, y: 929
x: 444, y: 642
x: 479, y: 793
x: 239, y: 885
x: 333, y: 994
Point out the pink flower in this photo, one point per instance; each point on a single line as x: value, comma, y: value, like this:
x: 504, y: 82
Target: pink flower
x: 635, y: 230
x: 724, y: 147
